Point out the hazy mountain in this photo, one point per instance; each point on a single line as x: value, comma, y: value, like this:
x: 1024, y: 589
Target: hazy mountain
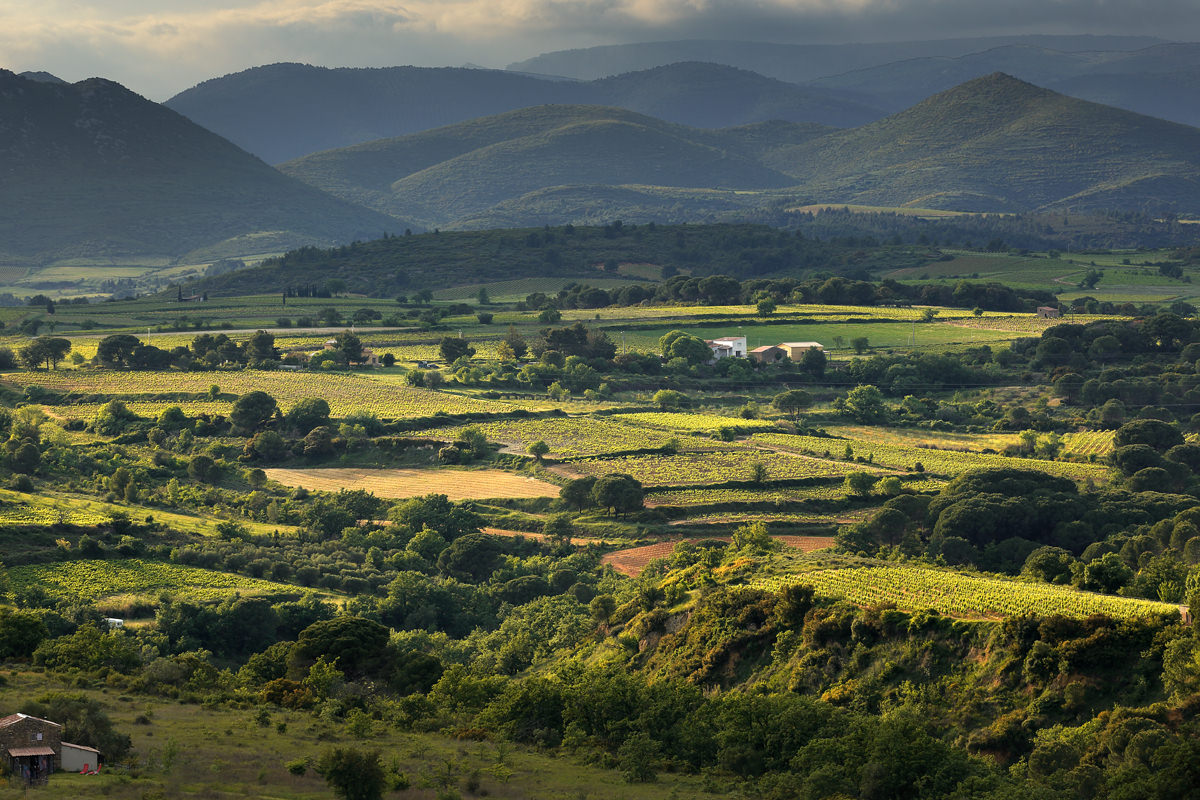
x: 709, y: 95
x: 440, y: 176
x: 1169, y: 95
x: 284, y: 111
x: 1156, y: 80
x: 999, y: 144
x: 797, y: 63
x: 93, y: 168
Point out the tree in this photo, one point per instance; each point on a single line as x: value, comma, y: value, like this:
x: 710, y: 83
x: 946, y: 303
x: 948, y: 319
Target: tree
x: 860, y: 344
x: 861, y: 482
x: 260, y: 347
x: 516, y: 342
x: 202, y: 468
x: 335, y: 286
x: 578, y: 493
x: 814, y: 361
x: 349, y: 347
x: 691, y: 349
x: 667, y: 399
x: 792, y: 402
x: 864, y: 404
x: 1151, y: 432
x: 1068, y: 386
x: 117, y: 351
x: 44, y: 350
x: 251, y: 411
x: 309, y: 413
x: 352, y: 774
x: 765, y: 307
x: 619, y: 492
x: 538, y: 449
x: 453, y: 348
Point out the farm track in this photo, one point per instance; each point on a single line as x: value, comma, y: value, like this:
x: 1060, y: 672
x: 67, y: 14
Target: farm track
x: 631, y: 562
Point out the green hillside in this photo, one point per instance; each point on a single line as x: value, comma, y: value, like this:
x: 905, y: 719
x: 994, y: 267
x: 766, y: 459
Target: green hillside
x: 437, y: 177
x: 999, y: 144
x: 94, y: 169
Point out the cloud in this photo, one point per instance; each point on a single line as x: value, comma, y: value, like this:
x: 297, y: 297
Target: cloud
x: 161, y: 46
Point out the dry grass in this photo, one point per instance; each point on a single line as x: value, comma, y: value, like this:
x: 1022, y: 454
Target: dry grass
x: 456, y: 484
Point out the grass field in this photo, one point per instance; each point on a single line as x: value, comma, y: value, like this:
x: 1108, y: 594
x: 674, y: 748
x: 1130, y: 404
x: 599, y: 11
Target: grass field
x: 225, y: 752
x: 936, y: 462
x: 456, y: 484
x: 567, y: 437
x: 346, y: 393
x: 98, y: 581
x: 956, y: 594
x: 691, y: 469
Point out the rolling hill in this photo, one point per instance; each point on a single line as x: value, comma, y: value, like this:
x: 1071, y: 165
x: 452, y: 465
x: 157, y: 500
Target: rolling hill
x: 92, y: 168
x: 992, y: 144
x: 439, y: 177
x: 285, y: 111
x: 999, y: 144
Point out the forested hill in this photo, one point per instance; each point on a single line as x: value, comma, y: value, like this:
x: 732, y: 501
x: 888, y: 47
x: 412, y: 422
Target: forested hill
x: 93, y: 168
x: 997, y: 143
x: 401, y: 264
x: 461, y: 171
x: 268, y: 110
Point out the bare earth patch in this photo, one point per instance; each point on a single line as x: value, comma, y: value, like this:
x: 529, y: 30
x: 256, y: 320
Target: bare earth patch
x: 631, y: 562
x: 456, y: 484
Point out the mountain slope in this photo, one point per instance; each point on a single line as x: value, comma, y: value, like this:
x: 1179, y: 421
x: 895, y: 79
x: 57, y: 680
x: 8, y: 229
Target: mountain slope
x: 439, y: 176
x: 94, y: 168
x: 798, y: 63
x: 1159, y: 81
x: 270, y: 110
x: 1000, y: 144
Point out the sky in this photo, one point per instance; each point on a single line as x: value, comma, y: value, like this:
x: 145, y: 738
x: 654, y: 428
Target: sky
x: 160, y: 47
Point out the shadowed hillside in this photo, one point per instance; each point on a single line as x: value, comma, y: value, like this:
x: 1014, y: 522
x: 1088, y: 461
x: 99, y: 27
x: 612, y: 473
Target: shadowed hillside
x: 270, y: 110
x: 94, y: 168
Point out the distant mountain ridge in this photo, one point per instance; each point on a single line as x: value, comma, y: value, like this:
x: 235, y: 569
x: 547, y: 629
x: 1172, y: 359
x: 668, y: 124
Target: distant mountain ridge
x: 284, y: 111
x: 92, y: 168
x: 992, y: 144
x: 796, y: 63
x: 1160, y: 81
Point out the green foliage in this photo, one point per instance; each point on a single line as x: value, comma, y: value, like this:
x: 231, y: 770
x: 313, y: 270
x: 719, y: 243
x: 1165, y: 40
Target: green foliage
x: 353, y: 774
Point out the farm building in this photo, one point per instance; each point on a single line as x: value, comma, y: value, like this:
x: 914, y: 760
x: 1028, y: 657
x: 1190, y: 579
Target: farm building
x: 79, y: 758
x: 727, y: 347
x: 796, y: 350
x: 768, y: 354
x: 1048, y: 312
x: 34, y: 748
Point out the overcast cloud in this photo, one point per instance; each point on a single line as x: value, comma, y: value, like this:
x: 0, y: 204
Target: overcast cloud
x: 160, y: 47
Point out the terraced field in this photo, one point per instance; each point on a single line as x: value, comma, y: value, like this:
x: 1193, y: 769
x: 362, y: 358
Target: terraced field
x: 956, y: 594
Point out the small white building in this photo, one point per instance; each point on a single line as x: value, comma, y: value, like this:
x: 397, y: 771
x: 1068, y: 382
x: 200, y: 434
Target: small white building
x: 79, y: 758
x: 727, y: 347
